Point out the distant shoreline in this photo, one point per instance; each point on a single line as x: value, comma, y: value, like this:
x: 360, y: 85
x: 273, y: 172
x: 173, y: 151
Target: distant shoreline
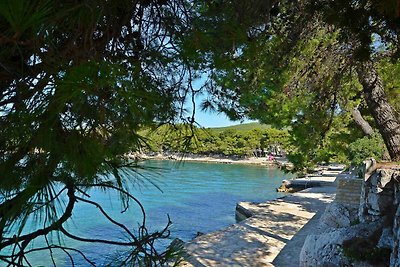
x: 260, y: 161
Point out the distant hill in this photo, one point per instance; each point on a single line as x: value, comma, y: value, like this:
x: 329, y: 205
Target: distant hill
x: 241, y: 127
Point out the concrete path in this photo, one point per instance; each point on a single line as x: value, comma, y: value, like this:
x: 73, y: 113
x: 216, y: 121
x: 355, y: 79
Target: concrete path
x: 272, y: 236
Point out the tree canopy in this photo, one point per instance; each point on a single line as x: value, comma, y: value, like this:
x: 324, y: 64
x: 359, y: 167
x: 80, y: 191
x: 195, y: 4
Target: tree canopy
x: 78, y: 80
x: 308, y: 67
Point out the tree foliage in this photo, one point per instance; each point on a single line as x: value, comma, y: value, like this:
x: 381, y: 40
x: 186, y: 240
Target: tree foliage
x: 307, y: 68
x: 78, y: 81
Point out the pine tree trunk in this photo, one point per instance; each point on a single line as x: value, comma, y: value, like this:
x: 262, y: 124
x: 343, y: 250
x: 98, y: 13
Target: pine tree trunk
x: 361, y: 122
x: 383, y: 113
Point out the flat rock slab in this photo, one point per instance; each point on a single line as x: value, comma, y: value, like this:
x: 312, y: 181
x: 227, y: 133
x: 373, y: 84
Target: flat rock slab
x: 267, y: 237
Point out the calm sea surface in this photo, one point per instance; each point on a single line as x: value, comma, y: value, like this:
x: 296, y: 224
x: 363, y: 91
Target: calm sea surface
x: 198, y: 197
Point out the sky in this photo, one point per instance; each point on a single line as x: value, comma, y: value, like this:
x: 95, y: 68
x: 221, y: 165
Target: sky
x: 208, y: 118
x: 211, y: 119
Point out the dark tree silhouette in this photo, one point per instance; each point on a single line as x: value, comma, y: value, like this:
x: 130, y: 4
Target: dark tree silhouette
x: 78, y: 80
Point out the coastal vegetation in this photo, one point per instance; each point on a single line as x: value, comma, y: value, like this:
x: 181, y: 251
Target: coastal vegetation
x: 259, y: 140
x: 239, y: 141
x: 81, y: 80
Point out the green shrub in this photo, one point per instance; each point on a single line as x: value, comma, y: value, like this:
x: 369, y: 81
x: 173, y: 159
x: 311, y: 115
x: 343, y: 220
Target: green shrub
x: 367, y: 147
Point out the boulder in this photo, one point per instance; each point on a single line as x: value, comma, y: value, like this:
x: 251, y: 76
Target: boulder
x: 395, y: 256
x: 291, y: 186
x: 378, y: 195
x: 336, y: 215
x: 368, y: 166
x: 386, y: 239
x: 327, y: 249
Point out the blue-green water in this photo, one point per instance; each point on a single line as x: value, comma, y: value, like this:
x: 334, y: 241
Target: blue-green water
x: 199, y: 197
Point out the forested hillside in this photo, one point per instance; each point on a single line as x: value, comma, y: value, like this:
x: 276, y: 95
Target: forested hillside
x: 251, y: 139
x: 256, y: 139
x: 241, y: 127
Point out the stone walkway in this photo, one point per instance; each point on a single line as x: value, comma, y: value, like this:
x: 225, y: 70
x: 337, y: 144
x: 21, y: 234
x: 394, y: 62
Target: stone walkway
x: 272, y: 236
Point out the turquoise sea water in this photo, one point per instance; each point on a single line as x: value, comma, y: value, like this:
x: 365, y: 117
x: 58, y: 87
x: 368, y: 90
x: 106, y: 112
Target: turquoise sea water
x: 198, y: 197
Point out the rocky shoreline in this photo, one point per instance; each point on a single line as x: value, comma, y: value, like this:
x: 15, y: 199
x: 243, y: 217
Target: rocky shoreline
x: 264, y: 236
x: 361, y: 228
